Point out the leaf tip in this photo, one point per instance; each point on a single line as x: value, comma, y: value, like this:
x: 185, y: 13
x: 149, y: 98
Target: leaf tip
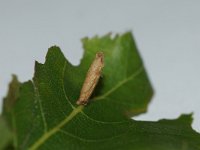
x: 12, y: 94
x: 53, y: 49
x: 186, y: 118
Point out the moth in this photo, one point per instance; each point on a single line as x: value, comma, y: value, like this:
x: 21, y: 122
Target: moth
x: 91, y: 79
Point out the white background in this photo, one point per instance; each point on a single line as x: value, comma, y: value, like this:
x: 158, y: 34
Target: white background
x: 167, y: 33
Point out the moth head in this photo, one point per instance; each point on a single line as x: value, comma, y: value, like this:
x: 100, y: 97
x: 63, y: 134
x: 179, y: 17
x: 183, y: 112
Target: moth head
x: 100, y: 55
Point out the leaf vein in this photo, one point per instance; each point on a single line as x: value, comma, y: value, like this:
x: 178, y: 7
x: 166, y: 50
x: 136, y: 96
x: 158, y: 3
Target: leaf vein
x: 63, y: 86
x: 121, y: 83
x: 90, y: 140
x: 102, y: 122
x: 37, y: 95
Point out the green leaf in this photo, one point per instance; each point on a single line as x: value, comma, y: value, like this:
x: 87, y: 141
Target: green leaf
x: 8, y: 104
x: 5, y: 134
x: 46, y: 115
x: 10, y: 100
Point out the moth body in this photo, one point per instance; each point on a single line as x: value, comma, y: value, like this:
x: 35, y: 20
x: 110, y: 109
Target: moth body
x: 91, y: 79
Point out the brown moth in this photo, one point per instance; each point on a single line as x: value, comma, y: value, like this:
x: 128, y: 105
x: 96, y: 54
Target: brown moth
x: 91, y: 79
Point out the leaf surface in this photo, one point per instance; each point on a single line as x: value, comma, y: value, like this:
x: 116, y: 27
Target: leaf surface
x: 5, y: 134
x: 47, y: 117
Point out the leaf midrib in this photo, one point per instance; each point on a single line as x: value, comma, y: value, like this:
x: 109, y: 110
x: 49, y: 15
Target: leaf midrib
x: 48, y: 134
